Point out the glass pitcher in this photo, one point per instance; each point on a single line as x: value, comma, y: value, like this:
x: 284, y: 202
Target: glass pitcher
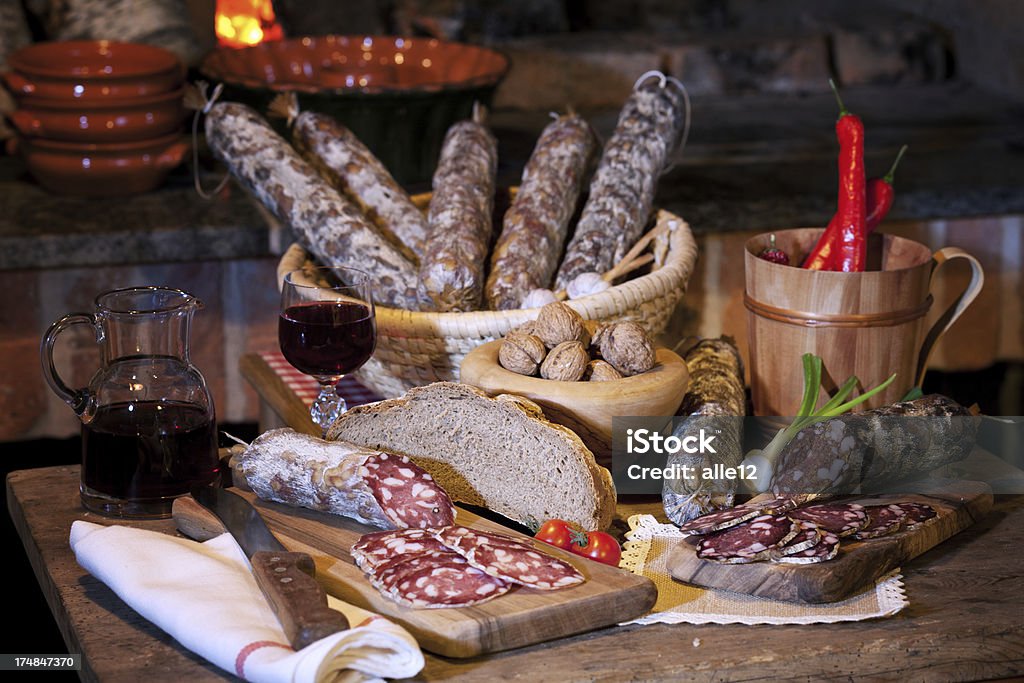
x: 148, y: 423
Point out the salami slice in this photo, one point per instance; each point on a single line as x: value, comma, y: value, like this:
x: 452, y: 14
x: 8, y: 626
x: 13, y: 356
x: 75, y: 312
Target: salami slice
x: 439, y: 583
x: 324, y: 222
x: 374, y: 550
x: 374, y: 488
x: 748, y: 542
x: 883, y: 520
x: 808, y: 536
x: 717, y: 521
x: 825, y: 549
x: 408, y: 494
x: 509, y: 559
x: 842, y: 519
x: 917, y: 514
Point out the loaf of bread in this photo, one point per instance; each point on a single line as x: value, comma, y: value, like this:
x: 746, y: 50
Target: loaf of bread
x: 498, y: 453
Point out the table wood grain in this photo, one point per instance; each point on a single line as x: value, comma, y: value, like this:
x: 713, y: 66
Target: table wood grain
x: 963, y: 622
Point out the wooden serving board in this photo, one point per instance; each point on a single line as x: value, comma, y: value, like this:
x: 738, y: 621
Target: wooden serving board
x: 957, y: 504
x: 520, y: 617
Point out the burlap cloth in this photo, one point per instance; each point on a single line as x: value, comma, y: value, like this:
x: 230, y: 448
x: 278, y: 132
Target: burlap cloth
x: 645, y: 552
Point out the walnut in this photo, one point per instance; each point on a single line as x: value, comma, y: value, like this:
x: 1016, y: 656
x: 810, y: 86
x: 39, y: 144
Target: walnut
x: 558, y: 323
x: 529, y: 327
x: 565, y: 363
x: 521, y: 353
x: 600, y: 371
x: 628, y: 348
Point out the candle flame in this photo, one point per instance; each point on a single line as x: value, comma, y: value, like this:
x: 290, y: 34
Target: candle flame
x: 243, y: 23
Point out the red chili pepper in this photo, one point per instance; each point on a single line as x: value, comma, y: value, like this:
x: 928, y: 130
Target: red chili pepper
x: 879, y: 197
x: 847, y: 252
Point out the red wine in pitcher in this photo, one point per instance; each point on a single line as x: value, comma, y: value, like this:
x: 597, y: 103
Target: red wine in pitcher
x: 138, y: 456
x: 327, y: 338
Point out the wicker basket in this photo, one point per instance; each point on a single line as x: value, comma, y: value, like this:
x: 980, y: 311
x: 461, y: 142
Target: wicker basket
x: 416, y: 348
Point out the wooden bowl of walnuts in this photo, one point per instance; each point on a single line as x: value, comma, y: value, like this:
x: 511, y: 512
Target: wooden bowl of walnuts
x: 582, y: 373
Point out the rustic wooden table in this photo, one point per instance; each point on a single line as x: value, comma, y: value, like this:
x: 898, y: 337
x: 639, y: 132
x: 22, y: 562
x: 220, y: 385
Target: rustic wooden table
x: 963, y: 623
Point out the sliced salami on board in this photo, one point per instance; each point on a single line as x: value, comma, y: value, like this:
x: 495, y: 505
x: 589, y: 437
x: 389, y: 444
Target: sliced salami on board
x: 379, y: 548
x: 824, y: 550
x: 806, y: 538
x: 842, y: 519
x: 506, y: 558
x: 374, y: 488
x: 882, y: 521
x: 432, y: 582
x: 917, y: 514
x: 748, y: 542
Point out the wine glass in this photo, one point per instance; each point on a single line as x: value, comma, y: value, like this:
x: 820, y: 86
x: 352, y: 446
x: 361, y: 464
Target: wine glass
x: 327, y: 329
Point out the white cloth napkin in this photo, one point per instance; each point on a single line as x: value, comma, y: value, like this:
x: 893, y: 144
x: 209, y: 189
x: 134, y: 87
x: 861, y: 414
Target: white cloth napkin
x: 205, y: 597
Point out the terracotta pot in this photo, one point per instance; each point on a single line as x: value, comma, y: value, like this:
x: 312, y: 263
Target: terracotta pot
x: 87, y: 70
x: 114, y: 170
x: 868, y: 324
x: 102, y: 121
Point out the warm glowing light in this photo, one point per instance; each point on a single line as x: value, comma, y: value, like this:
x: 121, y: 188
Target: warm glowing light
x: 241, y: 23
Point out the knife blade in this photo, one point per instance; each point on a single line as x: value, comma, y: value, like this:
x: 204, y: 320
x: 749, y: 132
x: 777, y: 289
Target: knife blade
x: 286, y: 578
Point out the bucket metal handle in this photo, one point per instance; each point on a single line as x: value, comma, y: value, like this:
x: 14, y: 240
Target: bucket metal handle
x: 955, y: 310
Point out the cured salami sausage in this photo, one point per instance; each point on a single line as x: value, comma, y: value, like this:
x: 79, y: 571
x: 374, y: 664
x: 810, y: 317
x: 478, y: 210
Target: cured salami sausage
x: 371, y: 487
x: 535, y: 226
x: 876, y: 448
x: 352, y: 168
x: 437, y: 582
x: 842, y: 519
x: 715, y: 400
x: 325, y: 223
x: 730, y: 517
x: 508, y: 559
x: 379, y: 548
x: 882, y: 521
x: 748, y: 542
x: 622, y: 191
x: 807, y: 537
x: 459, y: 218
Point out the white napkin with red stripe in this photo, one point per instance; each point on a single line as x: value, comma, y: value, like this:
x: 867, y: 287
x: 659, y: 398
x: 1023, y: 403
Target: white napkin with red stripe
x: 205, y: 597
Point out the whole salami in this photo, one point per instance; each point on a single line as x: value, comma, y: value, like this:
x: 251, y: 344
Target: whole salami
x: 715, y: 400
x: 622, y: 191
x: 353, y: 169
x: 876, y: 448
x: 374, y: 488
x: 535, y: 226
x: 325, y: 223
x: 459, y: 218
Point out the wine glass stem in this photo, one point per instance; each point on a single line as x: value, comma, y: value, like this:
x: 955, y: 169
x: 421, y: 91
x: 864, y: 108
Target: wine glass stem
x: 328, y: 405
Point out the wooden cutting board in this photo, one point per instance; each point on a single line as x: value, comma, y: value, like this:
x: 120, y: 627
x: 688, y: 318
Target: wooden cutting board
x: 520, y: 617
x: 957, y: 504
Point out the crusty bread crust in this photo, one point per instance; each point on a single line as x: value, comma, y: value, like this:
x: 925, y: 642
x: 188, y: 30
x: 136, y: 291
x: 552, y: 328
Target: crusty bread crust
x: 500, y: 453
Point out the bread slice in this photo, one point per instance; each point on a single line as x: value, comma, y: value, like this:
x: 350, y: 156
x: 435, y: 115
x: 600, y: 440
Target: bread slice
x: 498, y: 453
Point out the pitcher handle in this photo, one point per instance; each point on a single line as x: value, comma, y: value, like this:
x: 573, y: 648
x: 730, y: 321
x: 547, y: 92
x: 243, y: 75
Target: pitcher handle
x: 955, y: 309
x: 78, y: 399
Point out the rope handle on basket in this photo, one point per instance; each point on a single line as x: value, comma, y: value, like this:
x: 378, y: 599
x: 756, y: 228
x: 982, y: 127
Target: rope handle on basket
x: 633, y: 260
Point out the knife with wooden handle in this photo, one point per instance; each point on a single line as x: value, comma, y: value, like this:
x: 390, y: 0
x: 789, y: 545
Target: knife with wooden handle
x: 286, y: 578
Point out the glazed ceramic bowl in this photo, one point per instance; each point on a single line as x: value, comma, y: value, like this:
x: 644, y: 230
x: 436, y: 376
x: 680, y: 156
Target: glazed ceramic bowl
x: 107, y: 170
x: 91, y: 69
x: 102, y: 121
x: 398, y: 95
x: 586, y: 408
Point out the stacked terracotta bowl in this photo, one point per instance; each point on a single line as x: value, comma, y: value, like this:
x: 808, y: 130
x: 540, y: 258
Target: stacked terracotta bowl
x: 98, y: 118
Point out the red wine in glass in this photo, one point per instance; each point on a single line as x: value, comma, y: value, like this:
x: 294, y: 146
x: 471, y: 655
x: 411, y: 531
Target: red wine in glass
x: 327, y: 338
x: 327, y: 329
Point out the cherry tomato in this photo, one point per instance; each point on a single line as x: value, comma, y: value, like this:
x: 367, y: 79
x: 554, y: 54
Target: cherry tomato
x: 555, y: 532
x: 601, y: 547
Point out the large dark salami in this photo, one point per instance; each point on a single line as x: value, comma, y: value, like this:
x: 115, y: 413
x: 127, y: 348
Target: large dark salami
x: 535, y: 226
x: 325, y: 223
x: 876, y: 448
x: 352, y: 168
x: 459, y: 218
x: 371, y: 487
x: 715, y: 400
x: 622, y: 191
x: 750, y: 541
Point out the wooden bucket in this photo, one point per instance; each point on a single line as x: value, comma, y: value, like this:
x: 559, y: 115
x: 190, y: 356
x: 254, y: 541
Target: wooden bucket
x: 868, y: 324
